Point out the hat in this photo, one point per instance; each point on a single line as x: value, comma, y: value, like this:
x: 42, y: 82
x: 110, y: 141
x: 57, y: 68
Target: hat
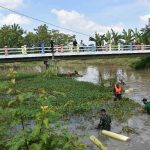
x: 102, y: 110
x: 144, y: 99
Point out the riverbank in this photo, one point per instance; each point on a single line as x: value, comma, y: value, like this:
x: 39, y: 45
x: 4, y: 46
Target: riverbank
x: 113, y: 61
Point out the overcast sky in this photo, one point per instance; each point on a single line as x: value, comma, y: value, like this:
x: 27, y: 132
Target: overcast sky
x: 86, y: 16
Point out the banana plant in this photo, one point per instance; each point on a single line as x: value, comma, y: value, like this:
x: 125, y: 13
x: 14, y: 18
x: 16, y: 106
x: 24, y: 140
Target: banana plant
x: 128, y: 36
x: 98, y: 39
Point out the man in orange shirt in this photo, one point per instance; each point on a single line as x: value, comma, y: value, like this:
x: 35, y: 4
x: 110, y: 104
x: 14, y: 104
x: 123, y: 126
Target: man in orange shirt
x: 117, y: 91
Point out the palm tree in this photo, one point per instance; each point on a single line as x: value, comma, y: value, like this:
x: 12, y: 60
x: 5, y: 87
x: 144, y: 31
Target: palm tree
x: 128, y: 36
x: 138, y: 36
x: 115, y: 37
x: 146, y: 33
x: 108, y: 37
x: 98, y: 39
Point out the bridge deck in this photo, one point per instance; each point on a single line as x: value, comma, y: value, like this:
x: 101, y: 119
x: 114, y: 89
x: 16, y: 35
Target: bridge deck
x: 71, y: 55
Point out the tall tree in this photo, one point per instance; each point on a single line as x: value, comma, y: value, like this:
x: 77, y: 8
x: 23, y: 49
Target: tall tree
x: 138, y: 36
x: 146, y: 33
x: 98, y: 39
x: 42, y: 34
x: 115, y: 37
x: 11, y: 35
x: 30, y: 39
x: 108, y: 37
x: 60, y: 38
x: 127, y: 36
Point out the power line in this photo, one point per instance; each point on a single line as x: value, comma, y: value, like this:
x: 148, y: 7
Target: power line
x: 39, y: 20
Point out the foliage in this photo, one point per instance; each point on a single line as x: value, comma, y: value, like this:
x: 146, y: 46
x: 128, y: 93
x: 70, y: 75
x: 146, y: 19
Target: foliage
x: 143, y: 63
x: 123, y: 109
x: 11, y: 35
x: 127, y: 36
x: 146, y: 33
x: 33, y: 104
x: 52, y: 70
x: 26, y: 121
x: 98, y: 39
x: 15, y: 36
x: 128, y: 130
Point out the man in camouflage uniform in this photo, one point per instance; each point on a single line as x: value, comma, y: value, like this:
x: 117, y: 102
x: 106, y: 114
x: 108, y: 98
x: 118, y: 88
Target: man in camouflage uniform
x: 105, y: 121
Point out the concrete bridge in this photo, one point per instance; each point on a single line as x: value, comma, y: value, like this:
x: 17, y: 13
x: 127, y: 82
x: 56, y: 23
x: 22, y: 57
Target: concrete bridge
x: 89, y: 52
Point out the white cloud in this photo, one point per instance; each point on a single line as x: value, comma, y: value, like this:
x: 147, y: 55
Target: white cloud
x: 145, y: 18
x: 13, y: 18
x: 12, y: 4
x: 145, y: 2
x: 76, y: 21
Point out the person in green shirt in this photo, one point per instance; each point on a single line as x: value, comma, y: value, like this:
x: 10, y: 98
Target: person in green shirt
x: 105, y: 121
x: 147, y: 106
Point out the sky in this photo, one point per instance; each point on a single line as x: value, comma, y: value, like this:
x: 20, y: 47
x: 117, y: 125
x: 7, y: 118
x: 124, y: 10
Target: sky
x: 84, y: 16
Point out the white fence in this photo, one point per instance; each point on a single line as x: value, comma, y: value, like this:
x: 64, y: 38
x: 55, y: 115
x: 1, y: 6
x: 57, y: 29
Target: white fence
x: 61, y: 49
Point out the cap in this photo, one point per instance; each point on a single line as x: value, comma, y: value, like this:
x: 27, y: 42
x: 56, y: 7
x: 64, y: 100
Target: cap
x: 102, y: 110
x: 144, y: 99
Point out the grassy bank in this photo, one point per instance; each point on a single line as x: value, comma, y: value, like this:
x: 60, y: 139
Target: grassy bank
x: 113, y: 61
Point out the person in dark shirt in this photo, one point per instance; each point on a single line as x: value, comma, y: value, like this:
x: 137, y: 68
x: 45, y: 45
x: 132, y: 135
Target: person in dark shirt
x: 75, y: 43
x: 147, y: 106
x: 105, y: 121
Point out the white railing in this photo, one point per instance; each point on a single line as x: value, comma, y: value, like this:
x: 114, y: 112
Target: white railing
x: 61, y: 49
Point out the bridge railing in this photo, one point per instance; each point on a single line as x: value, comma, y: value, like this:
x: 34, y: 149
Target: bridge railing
x: 61, y: 49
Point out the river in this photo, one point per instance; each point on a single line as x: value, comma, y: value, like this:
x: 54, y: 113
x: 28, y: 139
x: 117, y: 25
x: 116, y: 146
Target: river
x: 139, y: 84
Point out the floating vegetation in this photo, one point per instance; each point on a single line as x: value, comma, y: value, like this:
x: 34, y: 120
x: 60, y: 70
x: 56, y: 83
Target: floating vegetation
x: 128, y: 130
x: 48, y: 100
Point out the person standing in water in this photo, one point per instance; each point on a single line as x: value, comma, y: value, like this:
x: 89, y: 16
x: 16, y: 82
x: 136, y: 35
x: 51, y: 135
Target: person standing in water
x: 117, y: 92
x: 105, y: 121
x: 147, y: 106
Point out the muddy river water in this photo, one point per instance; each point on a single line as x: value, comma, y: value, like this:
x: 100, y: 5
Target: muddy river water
x: 139, y: 84
x: 138, y: 87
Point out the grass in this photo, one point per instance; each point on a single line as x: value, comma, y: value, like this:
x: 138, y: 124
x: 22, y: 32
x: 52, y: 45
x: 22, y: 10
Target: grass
x: 126, y: 62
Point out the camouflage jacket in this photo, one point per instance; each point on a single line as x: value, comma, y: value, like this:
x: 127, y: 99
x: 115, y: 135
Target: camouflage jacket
x: 105, y: 122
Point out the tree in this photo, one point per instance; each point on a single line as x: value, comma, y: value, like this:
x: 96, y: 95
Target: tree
x: 127, y: 36
x: 30, y: 39
x: 60, y: 38
x: 146, y: 33
x: 108, y: 37
x: 115, y: 37
x: 98, y: 39
x: 138, y: 36
x: 11, y: 35
x: 42, y: 35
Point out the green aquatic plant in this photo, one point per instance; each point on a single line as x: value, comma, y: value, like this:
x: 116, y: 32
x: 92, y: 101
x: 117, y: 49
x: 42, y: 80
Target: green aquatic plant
x: 26, y: 121
x: 128, y: 130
